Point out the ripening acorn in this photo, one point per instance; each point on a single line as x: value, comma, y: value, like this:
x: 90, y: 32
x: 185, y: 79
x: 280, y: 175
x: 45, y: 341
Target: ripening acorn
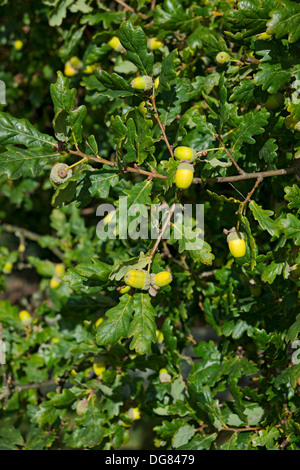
x: 124, y: 290
x: 100, y: 320
x: 139, y: 279
x: 89, y: 69
x: 154, y: 44
x: 69, y: 70
x: 222, y: 57
x: 185, y: 153
x: 161, y: 279
x: 184, y: 175
x: 115, y: 44
x: 59, y: 269
x: 144, y: 83
x: 236, y: 244
x: 25, y: 317
x: 18, y: 44
x: 60, y: 173
x: 274, y: 101
x: 134, y: 413
x: 99, y: 368
x: 54, y: 282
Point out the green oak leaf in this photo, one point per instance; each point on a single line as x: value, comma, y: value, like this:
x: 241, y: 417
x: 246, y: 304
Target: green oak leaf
x: 143, y: 326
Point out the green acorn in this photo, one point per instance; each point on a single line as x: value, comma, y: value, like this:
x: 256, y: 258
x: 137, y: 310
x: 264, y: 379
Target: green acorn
x: 139, y: 279
x: 185, y: 153
x: 223, y: 57
x: 144, y: 83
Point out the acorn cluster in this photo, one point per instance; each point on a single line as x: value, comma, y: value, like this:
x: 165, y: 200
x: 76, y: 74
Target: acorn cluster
x: 142, y: 279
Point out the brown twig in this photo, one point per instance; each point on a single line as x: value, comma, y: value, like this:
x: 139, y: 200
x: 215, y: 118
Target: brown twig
x: 164, y: 227
x: 125, y: 6
x: 247, y: 199
x: 162, y: 127
x: 239, y: 169
x: 19, y: 388
x: 218, y: 179
x: 129, y: 8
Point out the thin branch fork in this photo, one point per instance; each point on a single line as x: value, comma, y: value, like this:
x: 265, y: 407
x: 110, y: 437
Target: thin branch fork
x: 164, y: 227
x: 247, y: 199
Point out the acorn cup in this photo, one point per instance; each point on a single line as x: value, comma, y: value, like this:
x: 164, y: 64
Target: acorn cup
x: 59, y: 174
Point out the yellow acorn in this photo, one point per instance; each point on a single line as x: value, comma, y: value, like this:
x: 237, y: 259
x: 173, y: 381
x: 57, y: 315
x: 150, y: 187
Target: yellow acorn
x: 59, y: 270
x: 18, y: 45
x: 156, y: 83
x: 161, y: 279
x: 185, y: 153
x: 222, y: 57
x: 69, y: 70
x: 274, y: 101
x: 124, y: 290
x: 115, y: 44
x: 54, y: 282
x: 140, y: 279
x: 25, y: 317
x: 144, y: 83
x: 99, y: 368
x: 184, y: 175
x: 7, y: 268
x: 134, y: 413
x: 154, y: 44
x: 159, y: 336
x: 89, y: 69
x: 100, y: 320
x: 73, y: 372
x: 236, y: 244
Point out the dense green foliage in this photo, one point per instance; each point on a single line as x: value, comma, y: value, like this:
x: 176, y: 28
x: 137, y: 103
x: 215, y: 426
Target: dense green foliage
x: 211, y: 361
